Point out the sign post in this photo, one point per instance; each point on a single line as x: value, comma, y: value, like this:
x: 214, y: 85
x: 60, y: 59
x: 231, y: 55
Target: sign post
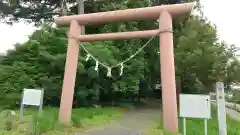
x: 184, y: 126
x: 31, y: 97
x: 195, y: 106
x: 221, y: 109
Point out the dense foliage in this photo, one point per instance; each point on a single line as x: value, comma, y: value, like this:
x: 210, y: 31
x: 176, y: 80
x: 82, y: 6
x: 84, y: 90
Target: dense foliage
x: 15, y: 10
x: 200, y: 61
x: 1, y: 57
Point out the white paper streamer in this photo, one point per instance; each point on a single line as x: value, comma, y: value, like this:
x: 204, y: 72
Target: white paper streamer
x: 88, y: 56
x: 121, y: 72
x: 109, y: 72
x: 96, y: 67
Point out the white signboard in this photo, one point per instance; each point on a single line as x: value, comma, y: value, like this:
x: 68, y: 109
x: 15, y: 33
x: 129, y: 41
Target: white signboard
x: 195, y: 106
x: 32, y: 97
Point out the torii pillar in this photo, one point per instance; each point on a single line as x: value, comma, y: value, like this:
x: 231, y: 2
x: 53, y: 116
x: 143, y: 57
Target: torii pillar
x: 169, y: 98
x: 65, y: 111
x: 164, y: 13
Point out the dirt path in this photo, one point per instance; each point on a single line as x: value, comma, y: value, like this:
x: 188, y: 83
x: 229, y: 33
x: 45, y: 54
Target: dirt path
x: 230, y: 112
x: 135, y: 122
x: 233, y: 114
x: 138, y: 122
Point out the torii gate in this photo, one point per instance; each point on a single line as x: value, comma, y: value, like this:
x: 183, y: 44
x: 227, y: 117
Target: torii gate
x: 164, y: 14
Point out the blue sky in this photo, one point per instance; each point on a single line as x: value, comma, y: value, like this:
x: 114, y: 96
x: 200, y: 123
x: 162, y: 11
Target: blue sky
x: 224, y: 16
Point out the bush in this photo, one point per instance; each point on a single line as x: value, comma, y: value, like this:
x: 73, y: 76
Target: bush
x: 9, y: 119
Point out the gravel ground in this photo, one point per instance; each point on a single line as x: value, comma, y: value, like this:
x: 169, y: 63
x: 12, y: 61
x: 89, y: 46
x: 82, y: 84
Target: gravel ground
x: 135, y: 122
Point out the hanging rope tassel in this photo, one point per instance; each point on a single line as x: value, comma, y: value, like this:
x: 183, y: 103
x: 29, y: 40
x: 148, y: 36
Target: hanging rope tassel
x: 109, y: 73
x: 96, y: 67
x: 88, y: 56
x: 121, y: 72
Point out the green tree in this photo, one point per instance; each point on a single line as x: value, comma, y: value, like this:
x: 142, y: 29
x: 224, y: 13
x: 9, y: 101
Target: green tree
x: 200, y: 57
x: 200, y: 60
x: 1, y: 57
x: 233, y: 72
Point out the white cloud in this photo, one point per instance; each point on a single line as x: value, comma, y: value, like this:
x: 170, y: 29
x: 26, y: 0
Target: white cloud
x: 17, y: 33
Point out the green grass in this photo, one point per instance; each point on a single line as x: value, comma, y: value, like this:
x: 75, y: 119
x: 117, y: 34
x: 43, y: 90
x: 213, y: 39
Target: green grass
x: 47, y: 123
x: 196, y: 126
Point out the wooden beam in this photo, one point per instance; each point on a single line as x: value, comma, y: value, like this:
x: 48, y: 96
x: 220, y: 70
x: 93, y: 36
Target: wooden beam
x: 147, y: 13
x: 117, y: 36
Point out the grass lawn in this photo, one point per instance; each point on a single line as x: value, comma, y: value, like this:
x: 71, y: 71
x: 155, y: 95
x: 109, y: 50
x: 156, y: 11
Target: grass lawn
x: 196, y: 126
x: 47, y: 124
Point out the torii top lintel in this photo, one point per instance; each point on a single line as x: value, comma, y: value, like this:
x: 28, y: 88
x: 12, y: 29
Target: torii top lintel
x: 178, y: 11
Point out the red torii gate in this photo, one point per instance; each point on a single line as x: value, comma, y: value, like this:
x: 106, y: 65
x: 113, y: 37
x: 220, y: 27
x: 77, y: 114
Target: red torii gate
x: 164, y: 13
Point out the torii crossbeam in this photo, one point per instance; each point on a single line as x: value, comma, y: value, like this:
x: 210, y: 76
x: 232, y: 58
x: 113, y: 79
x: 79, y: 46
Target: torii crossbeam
x: 164, y: 14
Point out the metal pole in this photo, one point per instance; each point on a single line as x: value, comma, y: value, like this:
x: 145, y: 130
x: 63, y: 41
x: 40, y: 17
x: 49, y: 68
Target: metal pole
x: 21, y: 107
x: 21, y: 111
x: 184, y: 126
x: 41, y: 103
x: 205, y: 127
